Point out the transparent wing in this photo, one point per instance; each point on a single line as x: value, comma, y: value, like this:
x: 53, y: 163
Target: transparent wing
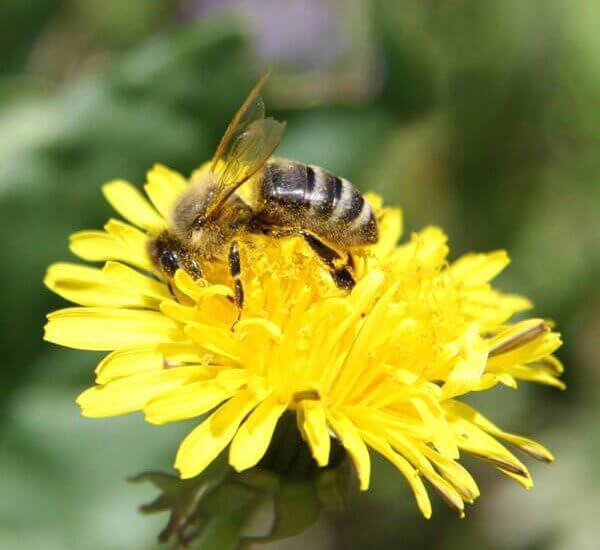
x: 252, y: 109
x: 249, y: 141
x: 249, y: 153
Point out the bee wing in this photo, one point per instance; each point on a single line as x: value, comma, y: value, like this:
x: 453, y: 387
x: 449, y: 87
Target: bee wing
x: 248, y: 142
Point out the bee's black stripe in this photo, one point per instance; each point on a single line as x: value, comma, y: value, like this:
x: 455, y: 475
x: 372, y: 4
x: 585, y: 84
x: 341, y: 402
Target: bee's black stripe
x: 309, y: 185
x: 339, y: 186
x: 289, y: 184
x: 354, y: 208
x: 326, y: 193
x: 335, y: 192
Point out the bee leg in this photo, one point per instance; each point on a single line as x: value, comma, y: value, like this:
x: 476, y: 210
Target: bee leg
x: 350, y: 260
x: 171, y: 290
x: 341, y: 275
x: 235, y: 269
x: 275, y: 233
x: 193, y: 269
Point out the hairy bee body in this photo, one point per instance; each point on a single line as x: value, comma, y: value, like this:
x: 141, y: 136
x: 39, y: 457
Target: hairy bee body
x: 292, y: 195
x: 286, y: 197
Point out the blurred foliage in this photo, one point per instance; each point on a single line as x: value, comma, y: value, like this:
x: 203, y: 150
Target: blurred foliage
x: 281, y: 497
x: 479, y: 116
x: 224, y: 510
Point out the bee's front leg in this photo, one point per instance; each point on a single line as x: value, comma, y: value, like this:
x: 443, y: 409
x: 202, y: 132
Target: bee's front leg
x: 235, y: 269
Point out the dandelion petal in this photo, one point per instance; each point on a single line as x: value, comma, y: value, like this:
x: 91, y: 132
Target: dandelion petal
x: 314, y: 429
x: 252, y: 439
x: 203, y: 444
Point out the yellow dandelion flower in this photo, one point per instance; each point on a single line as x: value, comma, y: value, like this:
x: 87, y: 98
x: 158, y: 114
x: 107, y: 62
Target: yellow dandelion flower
x: 379, y: 369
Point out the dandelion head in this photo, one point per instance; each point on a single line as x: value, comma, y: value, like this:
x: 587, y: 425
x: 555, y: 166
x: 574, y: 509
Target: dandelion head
x: 381, y: 369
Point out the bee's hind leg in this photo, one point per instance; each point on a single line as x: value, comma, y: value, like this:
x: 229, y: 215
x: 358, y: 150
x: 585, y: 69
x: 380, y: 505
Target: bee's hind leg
x: 235, y: 269
x: 341, y: 276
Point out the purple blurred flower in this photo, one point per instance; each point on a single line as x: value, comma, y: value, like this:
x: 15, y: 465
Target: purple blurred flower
x: 305, y: 33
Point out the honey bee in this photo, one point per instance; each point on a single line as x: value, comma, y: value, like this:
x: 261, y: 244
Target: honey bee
x: 289, y: 198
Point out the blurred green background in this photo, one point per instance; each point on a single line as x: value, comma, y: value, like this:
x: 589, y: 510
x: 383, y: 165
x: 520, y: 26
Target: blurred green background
x: 482, y: 117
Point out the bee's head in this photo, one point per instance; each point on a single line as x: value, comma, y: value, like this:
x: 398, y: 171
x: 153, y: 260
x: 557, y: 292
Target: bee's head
x: 165, y: 254
x: 188, y: 220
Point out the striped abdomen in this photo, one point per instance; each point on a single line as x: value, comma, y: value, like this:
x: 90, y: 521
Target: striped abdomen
x: 297, y: 196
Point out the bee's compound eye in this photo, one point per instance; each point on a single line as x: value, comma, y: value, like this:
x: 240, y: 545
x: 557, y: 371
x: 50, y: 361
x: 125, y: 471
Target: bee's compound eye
x: 198, y: 223
x: 169, y: 261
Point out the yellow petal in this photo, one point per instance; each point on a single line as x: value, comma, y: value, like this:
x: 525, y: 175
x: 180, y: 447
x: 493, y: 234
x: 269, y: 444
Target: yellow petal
x: 517, y: 335
x: 537, y: 349
x: 184, y: 282
x: 513, y: 302
x: 390, y: 230
x: 458, y: 476
x: 476, y: 269
x: 97, y: 246
x: 467, y: 372
x: 525, y: 481
x: 442, y: 435
x: 216, y: 339
x: 134, y: 240
x: 135, y: 282
x: 369, y: 337
x: 186, y: 402
x: 164, y: 187
x: 128, y: 363
x: 372, y: 420
x: 130, y: 203
x: 178, y: 312
x: 196, y: 398
x: 234, y: 378
x: 313, y: 425
x: 132, y: 392
x: 363, y: 295
x: 477, y: 442
x: 197, y: 290
x: 411, y: 475
x: 268, y: 328
x: 119, y: 242
x: 431, y: 247
x: 410, y: 450
x: 534, y: 372
x: 252, y: 439
x: 551, y: 364
x: 89, y: 286
x: 184, y: 352
x: 106, y: 329
x: 203, y: 444
x: 352, y: 441
x: 528, y: 446
x: 427, y: 249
